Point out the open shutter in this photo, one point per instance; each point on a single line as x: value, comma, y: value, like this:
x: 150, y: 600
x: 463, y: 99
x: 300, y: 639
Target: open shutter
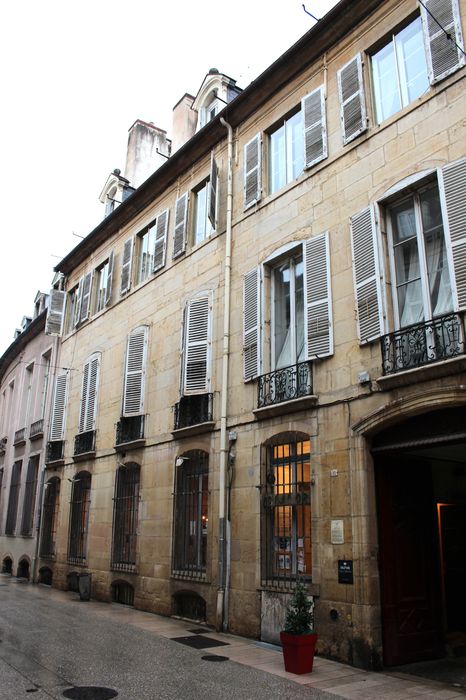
x: 108, y: 288
x: 89, y: 395
x: 251, y: 324
x: 252, y: 171
x: 212, y: 213
x: 85, y: 304
x: 57, y: 424
x: 367, y: 277
x: 318, y: 318
x: 197, y: 346
x: 352, y: 99
x: 453, y: 187
x: 55, y: 312
x: 315, y: 129
x: 136, y: 353
x: 160, y: 245
x: 179, y: 237
x: 443, y: 57
x: 125, y: 283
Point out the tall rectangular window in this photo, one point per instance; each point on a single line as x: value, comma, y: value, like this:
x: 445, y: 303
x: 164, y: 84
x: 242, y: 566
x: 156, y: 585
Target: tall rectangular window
x: 202, y: 225
x: 102, y: 274
x: 399, y: 71
x: 30, y: 496
x: 12, y: 512
x: 50, y: 517
x: 45, y: 368
x: 125, y: 518
x: 146, y: 242
x: 286, y: 152
x: 79, y: 518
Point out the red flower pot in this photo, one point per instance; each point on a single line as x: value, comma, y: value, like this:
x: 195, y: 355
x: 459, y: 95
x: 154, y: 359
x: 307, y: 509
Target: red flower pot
x: 298, y: 651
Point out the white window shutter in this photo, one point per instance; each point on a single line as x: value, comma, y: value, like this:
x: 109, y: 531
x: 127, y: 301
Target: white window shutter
x: 443, y: 57
x: 86, y: 290
x: 315, y: 128
x: 197, y: 346
x: 135, y: 368
x: 212, y: 212
x: 55, y: 312
x: 367, y: 276
x: 318, y: 297
x: 160, y: 245
x: 452, y: 180
x: 89, y: 390
x: 125, y: 282
x: 352, y: 99
x: 181, y: 215
x: 57, y: 423
x: 252, y: 171
x: 108, y: 288
x: 251, y: 324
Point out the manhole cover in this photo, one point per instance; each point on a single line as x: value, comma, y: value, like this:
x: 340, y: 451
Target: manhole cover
x: 89, y: 692
x: 214, y: 657
x: 198, y: 641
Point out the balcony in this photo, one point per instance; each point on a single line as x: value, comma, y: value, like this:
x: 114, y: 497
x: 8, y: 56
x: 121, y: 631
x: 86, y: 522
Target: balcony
x: 193, y: 414
x: 3, y: 443
x: 36, y: 430
x: 20, y: 437
x: 55, y: 451
x: 84, y: 445
x: 285, y: 390
x: 129, y: 432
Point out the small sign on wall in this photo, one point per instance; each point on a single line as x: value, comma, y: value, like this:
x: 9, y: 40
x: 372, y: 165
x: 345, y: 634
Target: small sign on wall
x: 345, y: 571
x: 336, y: 532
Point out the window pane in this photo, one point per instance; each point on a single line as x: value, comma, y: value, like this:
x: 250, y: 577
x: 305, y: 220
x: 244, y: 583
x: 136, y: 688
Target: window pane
x: 386, y: 92
x: 277, y: 160
x: 411, y: 62
x: 282, y: 317
x: 202, y: 225
x: 299, y: 309
x: 294, y: 147
x: 436, y: 254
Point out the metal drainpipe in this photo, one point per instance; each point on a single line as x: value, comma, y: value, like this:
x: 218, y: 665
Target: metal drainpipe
x: 223, y: 530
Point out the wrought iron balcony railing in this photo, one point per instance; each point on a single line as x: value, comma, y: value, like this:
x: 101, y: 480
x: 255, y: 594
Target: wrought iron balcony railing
x: 84, y: 442
x: 55, y: 450
x: 192, y: 410
x: 422, y: 344
x: 36, y: 429
x: 20, y: 436
x: 129, y: 429
x: 284, y: 384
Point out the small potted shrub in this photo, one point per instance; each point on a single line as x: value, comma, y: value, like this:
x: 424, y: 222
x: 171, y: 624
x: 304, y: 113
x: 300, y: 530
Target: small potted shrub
x: 298, y: 638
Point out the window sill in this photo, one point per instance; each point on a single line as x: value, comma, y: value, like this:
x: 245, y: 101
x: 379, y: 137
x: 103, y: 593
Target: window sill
x: 286, y: 588
x: 193, y: 576
x: 423, y: 374
x: 37, y: 436
x: 131, y: 445
x: 124, y: 568
x: 19, y: 443
x: 278, y: 409
x: 196, y: 429
x: 55, y: 463
x: 83, y: 456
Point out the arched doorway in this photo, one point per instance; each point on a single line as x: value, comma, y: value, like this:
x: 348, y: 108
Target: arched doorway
x: 420, y: 478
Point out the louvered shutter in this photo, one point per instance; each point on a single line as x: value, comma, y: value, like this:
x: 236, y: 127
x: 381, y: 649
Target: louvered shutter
x: 108, y: 288
x: 367, y: 276
x: 89, y: 395
x: 179, y: 237
x: 212, y: 213
x: 453, y: 186
x: 315, y: 128
x: 252, y: 171
x: 197, y: 346
x: 352, y: 99
x: 85, y: 304
x: 125, y: 283
x: 443, y: 57
x: 55, y: 312
x: 57, y: 424
x: 136, y: 353
x: 318, y: 298
x: 160, y: 244
x: 251, y: 324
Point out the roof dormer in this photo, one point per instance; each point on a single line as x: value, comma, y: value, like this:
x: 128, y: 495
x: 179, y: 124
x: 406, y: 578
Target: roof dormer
x: 216, y: 91
x: 115, y: 191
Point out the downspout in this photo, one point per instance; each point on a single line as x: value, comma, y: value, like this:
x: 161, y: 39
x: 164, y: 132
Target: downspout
x: 223, y: 529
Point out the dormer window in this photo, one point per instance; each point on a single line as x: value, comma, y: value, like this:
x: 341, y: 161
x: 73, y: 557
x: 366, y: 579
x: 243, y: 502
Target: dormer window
x: 216, y: 91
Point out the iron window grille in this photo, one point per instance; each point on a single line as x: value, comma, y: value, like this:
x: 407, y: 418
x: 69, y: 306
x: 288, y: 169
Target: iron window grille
x: 286, y: 510
x: 55, y: 450
x: 12, y: 511
x: 84, y: 442
x: 191, y: 516
x: 50, y: 518
x: 423, y: 343
x: 125, y: 518
x: 30, y: 496
x: 129, y: 429
x: 37, y: 428
x: 79, y: 518
x: 192, y: 410
x: 284, y: 384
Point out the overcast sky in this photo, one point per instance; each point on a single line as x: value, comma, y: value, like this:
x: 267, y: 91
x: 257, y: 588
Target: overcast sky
x: 75, y: 76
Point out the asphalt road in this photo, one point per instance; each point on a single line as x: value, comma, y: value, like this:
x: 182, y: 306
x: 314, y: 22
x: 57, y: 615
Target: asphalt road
x: 48, y: 646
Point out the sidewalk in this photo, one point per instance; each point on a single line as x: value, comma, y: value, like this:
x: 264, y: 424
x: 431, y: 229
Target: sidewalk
x: 339, y: 679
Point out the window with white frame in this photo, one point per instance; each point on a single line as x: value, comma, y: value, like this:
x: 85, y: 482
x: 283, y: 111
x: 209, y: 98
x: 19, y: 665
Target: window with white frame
x: 286, y: 152
x: 146, y: 243
x: 104, y: 279
x: 72, y: 307
x: 202, y: 226
x: 399, y: 71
